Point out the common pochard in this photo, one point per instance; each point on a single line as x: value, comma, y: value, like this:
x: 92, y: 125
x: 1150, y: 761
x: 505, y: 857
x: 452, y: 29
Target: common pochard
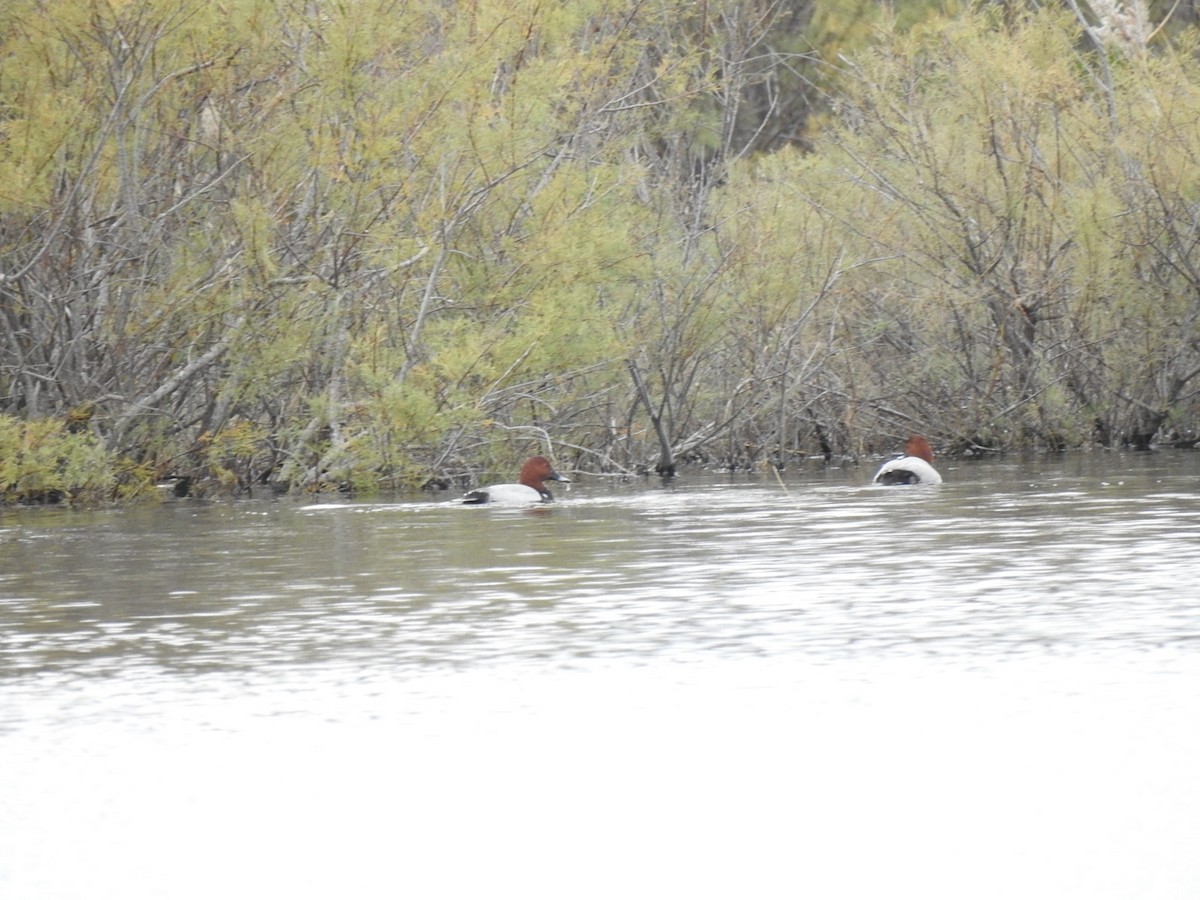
x: 914, y: 468
x: 531, y: 486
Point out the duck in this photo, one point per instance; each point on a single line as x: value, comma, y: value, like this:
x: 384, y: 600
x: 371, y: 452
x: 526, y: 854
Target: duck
x: 916, y: 467
x: 531, y: 486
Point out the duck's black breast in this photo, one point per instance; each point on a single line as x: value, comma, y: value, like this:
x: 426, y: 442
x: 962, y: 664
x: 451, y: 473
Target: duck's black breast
x: 897, y: 476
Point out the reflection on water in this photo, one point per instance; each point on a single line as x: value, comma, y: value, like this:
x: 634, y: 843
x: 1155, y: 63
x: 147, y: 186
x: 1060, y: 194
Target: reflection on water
x: 674, y: 691
x: 1001, y: 564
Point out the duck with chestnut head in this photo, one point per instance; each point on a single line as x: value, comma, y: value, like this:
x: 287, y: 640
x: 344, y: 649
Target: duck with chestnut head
x: 530, y: 487
x: 915, y: 467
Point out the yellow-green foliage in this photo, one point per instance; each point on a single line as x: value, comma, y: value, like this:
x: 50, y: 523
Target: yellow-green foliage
x: 367, y: 234
x: 228, y: 456
x: 43, y: 460
x: 1006, y: 202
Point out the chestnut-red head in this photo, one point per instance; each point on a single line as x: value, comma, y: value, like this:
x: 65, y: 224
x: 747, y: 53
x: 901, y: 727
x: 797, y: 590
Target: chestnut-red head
x: 919, y: 447
x: 537, y: 471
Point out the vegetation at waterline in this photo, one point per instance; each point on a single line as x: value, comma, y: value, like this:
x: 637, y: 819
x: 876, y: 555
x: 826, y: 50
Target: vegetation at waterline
x: 381, y: 244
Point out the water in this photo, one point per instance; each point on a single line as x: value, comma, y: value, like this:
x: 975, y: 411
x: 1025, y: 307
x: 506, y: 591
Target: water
x: 730, y: 687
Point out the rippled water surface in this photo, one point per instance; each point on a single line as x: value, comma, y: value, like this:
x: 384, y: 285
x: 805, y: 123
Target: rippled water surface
x: 731, y: 686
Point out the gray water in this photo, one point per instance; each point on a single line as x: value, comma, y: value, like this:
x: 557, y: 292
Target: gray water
x: 726, y: 687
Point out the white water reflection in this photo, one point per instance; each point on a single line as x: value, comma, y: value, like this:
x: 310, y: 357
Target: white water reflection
x: 981, y: 690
